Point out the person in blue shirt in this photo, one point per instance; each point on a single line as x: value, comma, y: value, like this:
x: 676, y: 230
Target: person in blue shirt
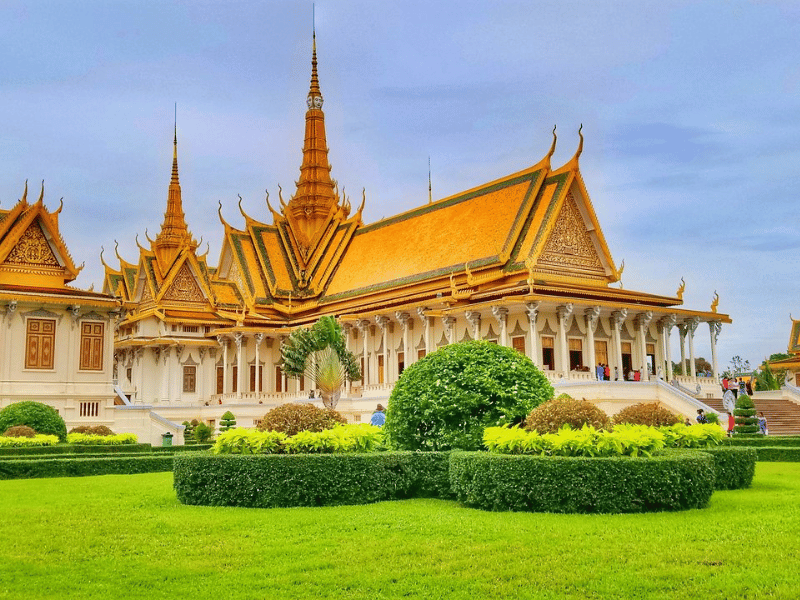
x: 378, y: 417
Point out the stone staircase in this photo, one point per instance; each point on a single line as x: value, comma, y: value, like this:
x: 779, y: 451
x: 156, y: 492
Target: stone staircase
x: 783, y: 416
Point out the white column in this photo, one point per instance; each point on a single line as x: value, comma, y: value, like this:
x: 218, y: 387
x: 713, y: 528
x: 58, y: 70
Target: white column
x: 501, y: 314
x: 532, y: 308
x: 237, y: 338
x: 140, y: 374
x: 363, y: 327
x: 592, y: 316
x: 259, y: 337
x: 474, y: 318
x: 165, y: 373
x: 427, y: 322
x: 691, y: 326
x: 383, y: 322
x: 405, y: 321
x: 449, y: 328
x: 667, y: 323
x: 682, y: 333
x: 224, y: 343
x: 642, y: 323
x: 564, y: 311
x: 715, y: 327
x: 617, y: 319
x: 176, y: 393
x: 347, y: 328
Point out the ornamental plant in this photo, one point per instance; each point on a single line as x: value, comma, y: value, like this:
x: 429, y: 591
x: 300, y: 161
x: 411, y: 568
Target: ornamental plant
x: 92, y: 429
x: 93, y: 439
x: 37, y: 440
x: 41, y: 418
x: 292, y: 418
x: 248, y: 441
x: 551, y: 416
x: 446, y: 399
x: 745, y: 413
x: 19, y: 431
x: 342, y: 438
x: 651, y: 413
x: 202, y: 433
x: 228, y: 421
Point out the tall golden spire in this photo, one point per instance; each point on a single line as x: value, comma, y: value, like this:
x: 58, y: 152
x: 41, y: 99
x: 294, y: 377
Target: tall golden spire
x: 174, y: 234
x: 315, y: 199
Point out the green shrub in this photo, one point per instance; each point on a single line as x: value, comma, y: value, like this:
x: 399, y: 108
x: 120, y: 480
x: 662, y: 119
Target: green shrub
x: 79, y: 467
x: 734, y: 467
x: 36, y: 440
x: 651, y: 413
x: 92, y: 430
x: 763, y: 440
x: 188, y: 433
x: 19, y: 431
x: 249, y: 441
x: 674, y: 481
x: 202, y: 433
x: 271, y: 480
x: 39, y: 417
x: 712, y: 418
x: 564, y: 410
x: 75, y: 449
x: 291, y: 418
x: 745, y: 413
x: 448, y: 398
x: 778, y: 453
x: 92, y: 439
x: 625, y: 440
x: 228, y: 421
x: 692, y: 436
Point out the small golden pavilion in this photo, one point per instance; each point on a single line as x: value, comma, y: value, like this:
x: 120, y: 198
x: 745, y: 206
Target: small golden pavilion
x: 521, y: 261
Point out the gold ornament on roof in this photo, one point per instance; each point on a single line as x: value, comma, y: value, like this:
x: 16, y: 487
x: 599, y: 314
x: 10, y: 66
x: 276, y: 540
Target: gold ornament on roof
x: 682, y: 287
x: 715, y: 302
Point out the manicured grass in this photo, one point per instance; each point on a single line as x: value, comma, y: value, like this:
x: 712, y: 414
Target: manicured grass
x: 126, y: 536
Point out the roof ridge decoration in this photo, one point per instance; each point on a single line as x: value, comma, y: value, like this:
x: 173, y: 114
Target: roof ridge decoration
x: 174, y: 235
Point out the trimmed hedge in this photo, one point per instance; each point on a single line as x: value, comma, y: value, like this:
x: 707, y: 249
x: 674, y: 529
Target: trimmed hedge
x: 763, y: 440
x: 189, y: 448
x: 673, y: 481
x: 78, y: 467
x: 76, y: 449
x: 778, y: 454
x: 734, y: 466
x: 71, y: 456
x: 274, y: 480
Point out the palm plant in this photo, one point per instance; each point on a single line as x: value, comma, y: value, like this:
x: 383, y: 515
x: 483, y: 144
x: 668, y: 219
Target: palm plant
x: 319, y: 353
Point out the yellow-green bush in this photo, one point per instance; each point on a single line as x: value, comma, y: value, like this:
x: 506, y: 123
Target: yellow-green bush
x: 343, y: 438
x: 37, y: 440
x: 91, y: 439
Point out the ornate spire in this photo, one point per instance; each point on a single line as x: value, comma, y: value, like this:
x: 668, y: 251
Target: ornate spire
x: 174, y: 234
x: 316, y: 199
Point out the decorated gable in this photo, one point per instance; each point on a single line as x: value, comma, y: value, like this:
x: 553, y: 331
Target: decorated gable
x: 33, y: 249
x: 184, y: 288
x: 570, y: 246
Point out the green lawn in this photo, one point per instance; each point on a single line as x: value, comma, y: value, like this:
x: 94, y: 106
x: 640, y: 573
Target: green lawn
x: 126, y: 536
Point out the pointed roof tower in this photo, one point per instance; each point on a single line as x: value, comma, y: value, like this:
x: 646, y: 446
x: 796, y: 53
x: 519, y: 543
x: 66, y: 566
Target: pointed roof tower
x: 174, y: 234
x: 316, y: 198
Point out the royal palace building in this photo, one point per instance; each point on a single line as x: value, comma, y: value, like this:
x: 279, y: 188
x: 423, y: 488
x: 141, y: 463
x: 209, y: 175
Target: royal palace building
x: 519, y: 261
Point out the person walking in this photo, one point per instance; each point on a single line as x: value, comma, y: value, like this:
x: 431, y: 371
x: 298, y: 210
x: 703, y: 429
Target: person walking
x: 378, y: 417
x: 607, y: 372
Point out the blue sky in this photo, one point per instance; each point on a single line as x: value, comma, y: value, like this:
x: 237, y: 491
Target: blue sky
x: 690, y: 113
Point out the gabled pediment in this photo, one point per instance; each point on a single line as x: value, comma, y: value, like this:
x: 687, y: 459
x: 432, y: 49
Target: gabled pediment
x: 32, y: 248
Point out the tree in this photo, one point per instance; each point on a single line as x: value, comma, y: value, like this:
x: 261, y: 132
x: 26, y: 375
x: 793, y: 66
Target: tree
x: 319, y: 353
x: 767, y: 379
x: 745, y: 413
x: 737, y: 367
x: 228, y: 421
x: 448, y: 398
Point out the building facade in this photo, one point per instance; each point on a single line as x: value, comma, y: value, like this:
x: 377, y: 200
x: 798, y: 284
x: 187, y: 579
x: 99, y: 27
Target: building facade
x: 520, y: 261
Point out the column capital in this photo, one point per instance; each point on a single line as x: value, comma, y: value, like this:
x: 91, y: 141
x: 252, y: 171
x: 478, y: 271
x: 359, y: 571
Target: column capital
x: 237, y: 337
x: 222, y: 341
x: 691, y: 324
x: 473, y: 316
x: 421, y: 312
x: 643, y: 319
x: 532, y: 308
x: 564, y: 310
x: 382, y: 321
x: 402, y: 317
x: 716, y: 328
x: 259, y: 337
x: 362, y: 325
x: 618, y: 317
x: 592, y: 315
x: 448, y: 320
x: 500, y: 313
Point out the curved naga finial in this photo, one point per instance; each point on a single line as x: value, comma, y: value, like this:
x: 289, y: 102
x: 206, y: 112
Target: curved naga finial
x: 715, y: 302
x: 116, y: 250
x: 275, y: 214
x: 619, y: 273
x: 580, y: 144
x: 138, y: 244
x: 103, y: 262
x: 148, y: 237
x: 241, y: 210
x: 219, y: 213
x: 60, y: 206
x: 363, y: 200
x: 24, y: 199
x: 280, y: 197
x: 553, y: 145
x: 682, y: 287
x: 41, y: 194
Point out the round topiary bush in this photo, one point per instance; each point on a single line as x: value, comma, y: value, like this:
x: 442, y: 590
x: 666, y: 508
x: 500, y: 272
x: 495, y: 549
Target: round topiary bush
x: 565, y: 410
x: 19, y: 431
x: 745, y: 413
x: 292, y: 418
x: 92, y: 430
x: 448, y: 398
x: 228, y: 421
x: 39, y: 417
x: 651, y: 413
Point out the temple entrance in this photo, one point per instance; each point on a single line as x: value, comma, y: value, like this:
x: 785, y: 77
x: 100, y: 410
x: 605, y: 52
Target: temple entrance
x: 627, y: 359
x: 548, y: 355
x: 401, y: 362
x: 220, y: 380
x: 575, y: 354
x: 651, y: 358
x: 600, y: 352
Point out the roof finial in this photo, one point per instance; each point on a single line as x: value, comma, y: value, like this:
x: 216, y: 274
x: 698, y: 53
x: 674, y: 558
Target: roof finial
x: 314, y: 94
x: 580, y: 144
x: 553, y: 145
x: 430, y: 189
x: 175, y: 149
